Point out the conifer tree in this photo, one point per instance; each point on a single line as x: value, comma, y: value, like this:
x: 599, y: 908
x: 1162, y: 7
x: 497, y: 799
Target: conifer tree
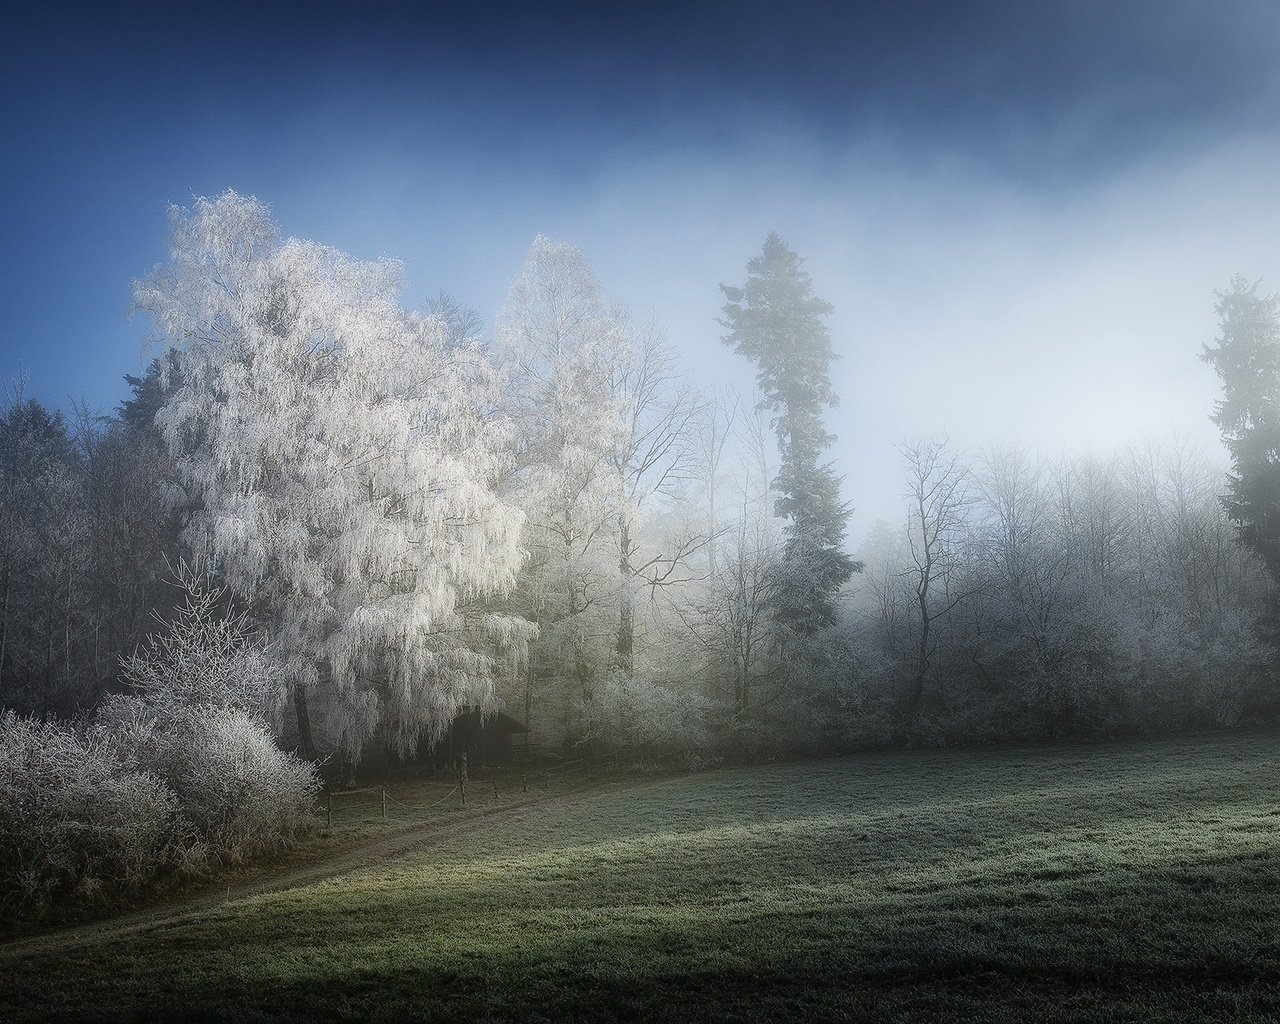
x: 776, y: 321
x: 1247, y: 360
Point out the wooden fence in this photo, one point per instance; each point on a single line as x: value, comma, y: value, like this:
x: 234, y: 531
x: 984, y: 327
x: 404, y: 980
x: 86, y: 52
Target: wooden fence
x: 494, y: 787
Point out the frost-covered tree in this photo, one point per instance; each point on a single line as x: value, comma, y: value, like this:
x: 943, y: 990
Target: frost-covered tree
x: 84, y: 531
x: 43, y: 560
x: 344, y: 457
x: 729, y: 615
x: 560, y: 341
x: 205, y: 655
x: 134, y: 510
x: 603, y: 440
x: 205, y: 689
x: 714, y: 429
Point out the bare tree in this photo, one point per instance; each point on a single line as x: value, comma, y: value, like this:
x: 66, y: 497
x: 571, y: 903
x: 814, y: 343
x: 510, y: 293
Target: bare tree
x: 653, y: 453
x: 1025, y: 556
x: 732, y: 621
x: 938, y: 487
x: 716, y: 429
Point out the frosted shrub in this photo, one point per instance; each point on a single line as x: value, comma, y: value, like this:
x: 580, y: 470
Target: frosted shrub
x: 183, y: 771
x: 641, y: 715
x: 205, y: 656
x: 198, y: 721
x: 75, y: 820
x: 245, y: 794
x: 238, y: 791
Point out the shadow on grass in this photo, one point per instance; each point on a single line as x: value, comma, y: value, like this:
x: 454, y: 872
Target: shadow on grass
x: 1145, y: 889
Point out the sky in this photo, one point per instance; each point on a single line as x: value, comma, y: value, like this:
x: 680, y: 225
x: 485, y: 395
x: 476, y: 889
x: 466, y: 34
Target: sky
x: 1020, y: 211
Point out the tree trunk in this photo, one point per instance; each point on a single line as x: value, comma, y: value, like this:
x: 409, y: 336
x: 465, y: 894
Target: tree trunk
x: 51, y: 632
x: 4, y: 622
x: 711, y: 522
x: 306, y: 746
x: 922, y: 657
x: 66, y: 631
x: 347, y: 771
x: 530, y: 678
x: 626, y: 614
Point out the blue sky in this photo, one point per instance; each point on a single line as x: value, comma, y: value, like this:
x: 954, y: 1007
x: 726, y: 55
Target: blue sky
x: 1020, y: 210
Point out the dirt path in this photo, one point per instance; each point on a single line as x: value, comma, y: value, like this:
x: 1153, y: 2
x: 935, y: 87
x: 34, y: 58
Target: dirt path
x: 343, y: 861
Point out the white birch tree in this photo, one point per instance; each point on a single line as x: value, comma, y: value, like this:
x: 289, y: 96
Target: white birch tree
x: 559, y: 340
x: 345, y: 459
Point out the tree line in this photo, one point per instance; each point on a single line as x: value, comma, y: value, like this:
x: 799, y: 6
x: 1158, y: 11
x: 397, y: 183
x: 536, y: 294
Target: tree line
x: 551, y: 520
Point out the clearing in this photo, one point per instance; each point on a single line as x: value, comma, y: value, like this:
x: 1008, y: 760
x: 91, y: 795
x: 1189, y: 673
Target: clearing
x: 1135, y: 880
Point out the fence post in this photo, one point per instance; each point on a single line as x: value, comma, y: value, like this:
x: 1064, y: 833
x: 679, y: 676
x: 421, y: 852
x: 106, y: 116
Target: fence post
x: 384, y: 803
x: 462, y: 785
x: 495, y: 789
x: 328, y: 812
x: 524, y: 782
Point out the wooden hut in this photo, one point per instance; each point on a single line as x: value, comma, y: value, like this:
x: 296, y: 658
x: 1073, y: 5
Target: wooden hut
x: 484, y: 740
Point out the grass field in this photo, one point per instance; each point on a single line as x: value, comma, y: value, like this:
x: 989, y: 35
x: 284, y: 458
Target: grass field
x: 1126, y: 881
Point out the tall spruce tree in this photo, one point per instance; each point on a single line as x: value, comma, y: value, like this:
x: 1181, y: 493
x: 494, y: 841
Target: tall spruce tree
x: 1247, y: 360
x: 776, y: 321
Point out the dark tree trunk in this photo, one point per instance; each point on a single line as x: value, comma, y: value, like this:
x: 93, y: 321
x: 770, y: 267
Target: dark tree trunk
x: 347, y: 771
x: 626, y: 615
x: 4, y: 624
x: 66, y: 631
x: 922, y: 658
x: 306, y: 746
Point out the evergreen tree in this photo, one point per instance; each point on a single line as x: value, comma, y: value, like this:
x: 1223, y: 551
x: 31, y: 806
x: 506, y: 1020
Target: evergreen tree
x: 1247, y: 360
x: 150, y: 391
x: 776, y: 321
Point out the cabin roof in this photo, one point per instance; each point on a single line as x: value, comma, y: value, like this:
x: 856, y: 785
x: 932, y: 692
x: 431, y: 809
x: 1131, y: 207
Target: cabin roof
x: 499, y: 721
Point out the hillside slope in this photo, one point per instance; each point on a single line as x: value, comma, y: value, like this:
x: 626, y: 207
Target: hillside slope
x: 1134, y: 880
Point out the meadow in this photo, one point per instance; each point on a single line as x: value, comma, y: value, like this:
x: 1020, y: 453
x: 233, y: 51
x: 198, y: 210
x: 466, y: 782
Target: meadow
x: 1126, y: 880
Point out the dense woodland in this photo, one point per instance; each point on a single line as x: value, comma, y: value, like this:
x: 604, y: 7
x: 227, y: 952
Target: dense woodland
x: 324, y: 525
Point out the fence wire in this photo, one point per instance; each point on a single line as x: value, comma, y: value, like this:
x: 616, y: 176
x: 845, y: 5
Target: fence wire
x: 484, y: 790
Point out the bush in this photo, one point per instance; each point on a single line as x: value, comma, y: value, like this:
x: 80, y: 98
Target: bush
x: 236, y: 790
x: 206, y: 655
x: 182, y: 772
x: 76, y: 822
x: 643, y: 716
x: 205, y: 688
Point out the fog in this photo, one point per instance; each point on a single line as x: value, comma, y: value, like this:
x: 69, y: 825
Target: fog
x: 1020, y: 216
x: 1066, y: 320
